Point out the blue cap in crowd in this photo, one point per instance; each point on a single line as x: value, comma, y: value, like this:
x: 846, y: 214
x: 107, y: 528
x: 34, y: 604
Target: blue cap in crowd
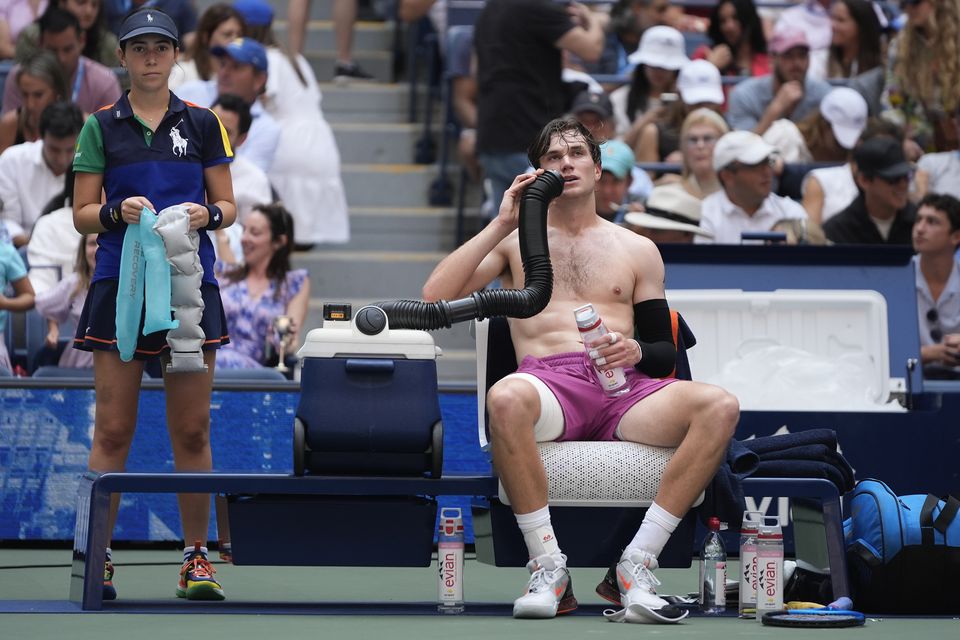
x: 617, y: 158
x: 244, y: 51
x: 149, y: 22
x: 256, y: 13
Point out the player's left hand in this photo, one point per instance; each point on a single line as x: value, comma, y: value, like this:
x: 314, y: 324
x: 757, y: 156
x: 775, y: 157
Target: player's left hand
x: 614, y: 350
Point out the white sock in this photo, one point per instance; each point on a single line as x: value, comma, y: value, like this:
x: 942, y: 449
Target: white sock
x: 109, y: 557
x: 188, y: 551
x: 654, y: 531
x: 538, y: 533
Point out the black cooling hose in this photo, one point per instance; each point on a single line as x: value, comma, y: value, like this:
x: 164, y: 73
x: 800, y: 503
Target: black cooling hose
x: 512, y: 303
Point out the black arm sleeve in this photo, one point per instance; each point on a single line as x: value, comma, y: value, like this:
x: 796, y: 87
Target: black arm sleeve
x: 655, y: 334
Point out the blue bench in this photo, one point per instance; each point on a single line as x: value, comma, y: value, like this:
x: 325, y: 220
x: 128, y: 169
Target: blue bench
x: 255, y: 543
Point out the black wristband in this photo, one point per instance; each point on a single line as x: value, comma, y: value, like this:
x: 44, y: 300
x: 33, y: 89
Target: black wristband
x: 216, y: 217
x: 110, y: 216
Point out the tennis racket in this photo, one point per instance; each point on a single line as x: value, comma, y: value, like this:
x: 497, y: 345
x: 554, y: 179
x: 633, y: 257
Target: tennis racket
x: 814, y: 618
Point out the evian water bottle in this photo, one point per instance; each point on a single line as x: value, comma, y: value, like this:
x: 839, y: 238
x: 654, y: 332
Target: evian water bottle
x: 713, y: 571
x: 450, y: 561
x: 748, y: 563
x: 769, y: 567
x: 613, y: 381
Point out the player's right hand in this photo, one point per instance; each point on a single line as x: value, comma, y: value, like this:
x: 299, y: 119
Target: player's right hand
x: 510, y: 205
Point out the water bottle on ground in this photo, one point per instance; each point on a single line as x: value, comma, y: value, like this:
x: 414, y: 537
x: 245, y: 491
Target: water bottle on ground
x: 713, y: 571
x: 748, y: 563
x: 769, y: 567
x: 613, y: 381
x: 450, y: 561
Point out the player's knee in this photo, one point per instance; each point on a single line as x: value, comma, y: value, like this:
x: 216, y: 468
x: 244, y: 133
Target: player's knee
x: 725, y: 408
x: 510, y: 402
x: 193, y: 437
x: 113, y: 437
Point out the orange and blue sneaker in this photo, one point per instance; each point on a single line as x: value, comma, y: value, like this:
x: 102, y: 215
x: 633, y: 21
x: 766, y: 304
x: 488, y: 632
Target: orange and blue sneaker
x: 196, y: 578
x: 226, y: 551
x: 109, y: 592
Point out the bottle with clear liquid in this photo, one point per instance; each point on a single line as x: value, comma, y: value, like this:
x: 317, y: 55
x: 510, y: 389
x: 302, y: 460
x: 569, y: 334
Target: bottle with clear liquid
x: 613, y: 381
x: 748, y: 563
x: 769, y: 567
x: 713, y: 571
x: 450, y: 561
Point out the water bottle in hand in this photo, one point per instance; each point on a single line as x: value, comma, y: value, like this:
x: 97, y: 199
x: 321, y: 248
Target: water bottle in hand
x: 612, y: 381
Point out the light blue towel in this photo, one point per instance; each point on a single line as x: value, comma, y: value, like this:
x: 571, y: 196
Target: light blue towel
x: 143, y: 270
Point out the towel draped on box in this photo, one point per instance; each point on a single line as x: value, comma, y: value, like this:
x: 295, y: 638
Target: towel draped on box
x: 803, y: 454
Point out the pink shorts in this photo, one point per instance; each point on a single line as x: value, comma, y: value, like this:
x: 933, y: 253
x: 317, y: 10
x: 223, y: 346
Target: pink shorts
x: 588, y: 413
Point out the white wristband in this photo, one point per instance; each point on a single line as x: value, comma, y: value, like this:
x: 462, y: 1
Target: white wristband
x: 639, y: 350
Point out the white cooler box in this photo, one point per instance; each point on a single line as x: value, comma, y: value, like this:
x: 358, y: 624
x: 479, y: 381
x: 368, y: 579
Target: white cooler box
x: 792, y: 350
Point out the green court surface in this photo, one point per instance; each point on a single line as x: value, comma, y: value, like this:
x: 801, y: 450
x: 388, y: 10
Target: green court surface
x: 150, y: 576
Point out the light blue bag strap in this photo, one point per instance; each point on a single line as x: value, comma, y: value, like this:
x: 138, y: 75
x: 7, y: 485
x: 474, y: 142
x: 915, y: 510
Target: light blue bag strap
x: 156, y: 278
x: 130, y: 291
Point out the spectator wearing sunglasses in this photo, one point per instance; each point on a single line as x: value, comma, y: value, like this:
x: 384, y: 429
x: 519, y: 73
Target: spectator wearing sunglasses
x: 936, y: 236
x: 881, y: 213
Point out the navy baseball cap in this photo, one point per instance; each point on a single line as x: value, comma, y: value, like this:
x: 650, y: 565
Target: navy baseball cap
x: 149, y: 22
x: 882, y: 156
x: 244, y: 51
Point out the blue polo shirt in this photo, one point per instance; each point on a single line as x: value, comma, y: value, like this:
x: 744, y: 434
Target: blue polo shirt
x: 165, y: 166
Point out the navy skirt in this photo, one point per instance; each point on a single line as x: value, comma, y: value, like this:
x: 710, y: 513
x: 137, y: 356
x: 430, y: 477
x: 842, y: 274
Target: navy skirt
x: 97, y: 327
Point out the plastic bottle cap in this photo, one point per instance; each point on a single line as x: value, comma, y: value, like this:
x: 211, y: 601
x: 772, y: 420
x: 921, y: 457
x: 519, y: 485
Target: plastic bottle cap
x: 714, y: 524
x: 586, y: 317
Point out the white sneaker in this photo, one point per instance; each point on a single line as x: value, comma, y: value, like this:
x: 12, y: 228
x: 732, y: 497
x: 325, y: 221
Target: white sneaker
x: 638, y: 594
x: 549, y: 592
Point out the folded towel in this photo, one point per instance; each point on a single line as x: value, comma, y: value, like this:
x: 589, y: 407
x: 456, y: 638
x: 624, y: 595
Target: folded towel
x: 816, y: 452
x: 801, y: 469
x: 786, y: 440
x: 804, y: 454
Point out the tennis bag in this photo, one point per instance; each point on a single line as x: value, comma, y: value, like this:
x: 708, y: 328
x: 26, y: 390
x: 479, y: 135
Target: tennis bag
x: 903, y: 552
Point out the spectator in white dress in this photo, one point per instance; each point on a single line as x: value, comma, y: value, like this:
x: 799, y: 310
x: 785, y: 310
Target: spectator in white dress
x: 306, y: 169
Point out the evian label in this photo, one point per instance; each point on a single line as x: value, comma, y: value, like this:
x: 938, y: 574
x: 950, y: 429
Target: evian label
x: 720, y: 585
x: 450, y: 578
x: 748, y: 575
x: 769, y: 580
